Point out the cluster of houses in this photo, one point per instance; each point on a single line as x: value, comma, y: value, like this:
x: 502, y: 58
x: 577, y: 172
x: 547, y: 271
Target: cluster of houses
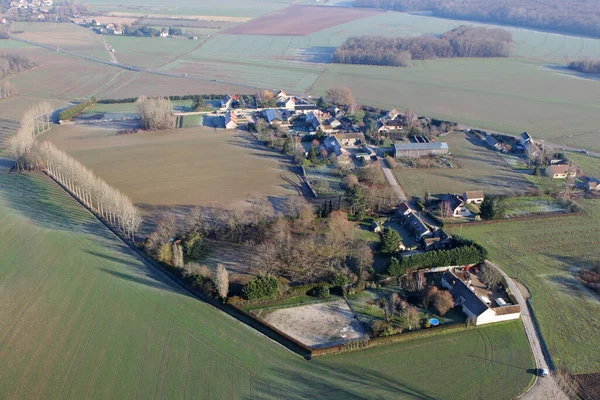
x: 39, y: 7
x: 430, y: 239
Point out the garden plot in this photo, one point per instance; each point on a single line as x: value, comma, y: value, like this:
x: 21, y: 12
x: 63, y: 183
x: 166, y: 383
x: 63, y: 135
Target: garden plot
x: 318, y: 325
x: 523, y: 206
x: 327, y: 177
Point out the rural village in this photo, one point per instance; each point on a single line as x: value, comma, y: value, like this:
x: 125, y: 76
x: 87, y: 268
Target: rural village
x: 314, y: 221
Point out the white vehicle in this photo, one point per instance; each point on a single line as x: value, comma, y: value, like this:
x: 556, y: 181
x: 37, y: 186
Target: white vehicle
x: 500, y: 302
x: 544, y: 372
x: 486, y: 300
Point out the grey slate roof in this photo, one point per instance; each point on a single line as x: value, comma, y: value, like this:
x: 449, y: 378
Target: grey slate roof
x: 421, y: 146
x: 459, y: 289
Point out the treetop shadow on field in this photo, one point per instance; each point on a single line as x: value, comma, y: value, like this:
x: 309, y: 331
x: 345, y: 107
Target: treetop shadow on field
x: 316, y: 54
x: 150, y: 282
x: 26, y: 194
x: 338, y: 382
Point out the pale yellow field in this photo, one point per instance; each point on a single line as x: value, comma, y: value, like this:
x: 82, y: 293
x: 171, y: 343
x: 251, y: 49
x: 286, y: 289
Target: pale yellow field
x: 193, y: 166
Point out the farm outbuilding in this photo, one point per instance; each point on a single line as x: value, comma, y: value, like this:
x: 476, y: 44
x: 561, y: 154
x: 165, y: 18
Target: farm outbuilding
x: 416, y: 150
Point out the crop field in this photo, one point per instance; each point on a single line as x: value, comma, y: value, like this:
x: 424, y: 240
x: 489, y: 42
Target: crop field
x: 503, y: 95
x: 149, y: 52
x: 481, y: 169
x: 68, y: 36
x: 201, y: 10
x: 133, y: 84
x: 183, y: 167
x: 83, y: 317
x: 543, y: 254
x: 300, y: 20
x: 61, y: 77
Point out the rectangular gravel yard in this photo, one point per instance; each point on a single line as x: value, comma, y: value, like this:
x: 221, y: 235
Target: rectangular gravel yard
x: 318, y: 325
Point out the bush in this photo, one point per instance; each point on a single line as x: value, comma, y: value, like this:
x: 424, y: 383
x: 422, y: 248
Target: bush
x: 381, y: 328
x: 321, y: 292
x: 339, y: 280
x: 71, y: 112
x: 262, y: 287
x: 193, y: 246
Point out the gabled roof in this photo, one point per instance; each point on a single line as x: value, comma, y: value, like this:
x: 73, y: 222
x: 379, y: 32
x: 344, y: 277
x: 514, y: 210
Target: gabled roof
x: 454, y: 200
x: 460, y: 290
x: 273, y: 115
x: 474, y: 194
x: 404, y: 207
x: 526, y: 137
x: 560, y: 168
x: 417, y: 225
x: 421, y: 146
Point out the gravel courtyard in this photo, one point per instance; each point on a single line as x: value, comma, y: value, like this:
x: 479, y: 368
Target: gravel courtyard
x: 318, y: 325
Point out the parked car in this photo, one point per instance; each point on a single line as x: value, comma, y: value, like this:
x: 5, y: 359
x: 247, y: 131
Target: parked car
x: 544, y: 372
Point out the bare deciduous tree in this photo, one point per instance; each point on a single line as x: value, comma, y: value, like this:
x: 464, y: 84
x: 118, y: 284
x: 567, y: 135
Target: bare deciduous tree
x: 222, y: 281
x: 155, y: 113
x: 340, y: 96
x: 177, y: 255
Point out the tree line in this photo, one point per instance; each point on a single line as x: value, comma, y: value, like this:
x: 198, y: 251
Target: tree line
x: 463, y: 41
x: 574, y: 16
x: 11, y: 64
x: 69, y: 113
x: 114, y: 207
x: 585, y: 66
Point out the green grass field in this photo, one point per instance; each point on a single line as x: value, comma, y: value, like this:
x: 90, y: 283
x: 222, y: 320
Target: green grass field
x: 589, y: 165
x: 482, y: 169
x: 82, y: 317
x: 543, y: 254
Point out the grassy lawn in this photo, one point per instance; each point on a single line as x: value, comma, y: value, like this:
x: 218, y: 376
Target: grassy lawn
x: 83, y: 317
x: 524, y: 205
x: 542, y: 255
x: 589, y: 165
x: 480, y: 169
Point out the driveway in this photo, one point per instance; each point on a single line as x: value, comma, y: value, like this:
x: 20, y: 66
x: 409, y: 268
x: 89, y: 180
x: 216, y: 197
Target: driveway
x: 391, y: 179
x: 543, y: 388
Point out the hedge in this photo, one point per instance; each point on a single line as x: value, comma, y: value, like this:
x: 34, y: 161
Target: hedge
x: 467, y: 254
x: 71, y: 112
x: 262, y: 287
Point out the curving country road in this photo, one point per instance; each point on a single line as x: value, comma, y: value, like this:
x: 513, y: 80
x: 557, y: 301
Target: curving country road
x: 542, y: 388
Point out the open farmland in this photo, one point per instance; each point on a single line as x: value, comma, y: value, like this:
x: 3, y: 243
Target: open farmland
x: 300, y: 20
x: 61, y: 77
x: 481, y: 169
x: 133, y: 84
x: 543, y: 254
x: 188, y: 166
x: 504, y: 95
x: 149, y: 52
x: 67, y: 36
x: 206, y: 9
x: 83, y: 318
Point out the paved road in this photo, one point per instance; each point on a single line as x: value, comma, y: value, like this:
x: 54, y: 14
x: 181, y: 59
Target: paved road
x: 543, y: 388
x: 391, y: 179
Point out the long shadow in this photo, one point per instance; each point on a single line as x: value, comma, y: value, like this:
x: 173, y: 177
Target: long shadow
x: 320, y: 381
x: 28, y: 195
x: 155, y: 284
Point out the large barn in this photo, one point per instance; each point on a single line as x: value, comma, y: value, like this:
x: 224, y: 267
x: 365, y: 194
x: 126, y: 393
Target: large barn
x: 416, y: 150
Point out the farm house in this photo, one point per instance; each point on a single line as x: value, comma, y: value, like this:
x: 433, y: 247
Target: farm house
x: 416, y: 150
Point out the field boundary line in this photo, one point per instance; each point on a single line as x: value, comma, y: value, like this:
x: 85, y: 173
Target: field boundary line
x: 145, y: 261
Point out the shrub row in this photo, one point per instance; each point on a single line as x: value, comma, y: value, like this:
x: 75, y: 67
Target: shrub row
x: 467, y: 254
x: 172, y: 98
x: 71, y: 112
